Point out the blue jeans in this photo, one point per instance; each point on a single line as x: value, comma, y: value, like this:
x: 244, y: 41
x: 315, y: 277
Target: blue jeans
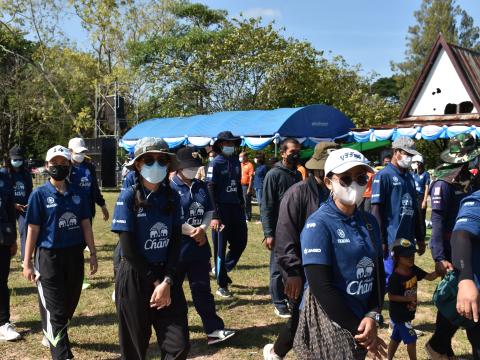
x: 22, y: 230
x: 277, y: 293
x: 258, y: 195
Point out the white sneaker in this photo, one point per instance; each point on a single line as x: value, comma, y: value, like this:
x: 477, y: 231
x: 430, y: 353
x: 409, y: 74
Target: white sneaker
x: 269, y: 354
x: 219, y: 336
x: 8, y: 332
x: 45, y: 342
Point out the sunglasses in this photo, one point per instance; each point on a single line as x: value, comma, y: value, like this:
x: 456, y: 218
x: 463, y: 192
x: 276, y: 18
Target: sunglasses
x: 149, y: 161
x: 346, y: 180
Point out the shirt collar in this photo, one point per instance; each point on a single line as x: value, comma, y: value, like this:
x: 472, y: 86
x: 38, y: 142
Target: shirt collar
x: 52, y: 190
x: 396, y: 170
x: 179, y: 182
x: 331, y: 204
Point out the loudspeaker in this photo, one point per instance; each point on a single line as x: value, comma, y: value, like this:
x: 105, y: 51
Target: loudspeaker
x: 109, y: 114
x: 103, y: 152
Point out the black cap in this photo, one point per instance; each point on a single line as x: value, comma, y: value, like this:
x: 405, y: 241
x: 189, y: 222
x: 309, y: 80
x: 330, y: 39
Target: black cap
x: 16, y: 153
x: 187, y: 158
x: 403, y: 247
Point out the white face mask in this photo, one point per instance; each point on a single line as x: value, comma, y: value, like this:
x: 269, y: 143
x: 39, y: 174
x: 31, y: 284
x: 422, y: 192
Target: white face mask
x: 414, y: 166
x: 154, y: 173
x: 240, y: 159
x: 228, y: 150
x: 210, y: 158
x: 255, y: 161
x: 351, y: 195
x: 16, y: 163
x: 78, y: 158
x: 190, y: 173
x: 405, y: 161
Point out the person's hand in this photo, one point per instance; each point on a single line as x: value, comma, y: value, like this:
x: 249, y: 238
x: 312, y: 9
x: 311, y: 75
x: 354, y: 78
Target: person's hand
x: 368, y: 338
x: 468, y: 300
x: 215, y: 224
x: 412, y: 298
x: 421, y: 246
x: 13, y: 249
x: 250, y: 191
x: 198, y: 234
x: 269, y: 242
x: 93, y: 263
x: 161, y: 296
x: 29, y: 272
x: 293, y: 287
x: 442, y: 267
x: 424, y: 204
x: 105, y: 213
x: 20, y: 208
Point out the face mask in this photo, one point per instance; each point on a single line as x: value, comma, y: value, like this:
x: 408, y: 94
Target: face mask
x: 255, y: 161
x: 415, y: 166
x: 58, y: 172
x: 16, y: 163
x: 228, y: 150
x: 240, y: 159
x: 154, y: 173
x: 292, y: 159
x: 351, y: 195
x: 78, y: 158
x: 190, y: 173
x: 405, y: 161
x: 210, y: 158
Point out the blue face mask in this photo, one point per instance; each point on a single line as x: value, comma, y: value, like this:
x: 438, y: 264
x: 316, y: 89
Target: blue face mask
x: 228, y: 150
x: 154, y: 173
x: 16, y: 163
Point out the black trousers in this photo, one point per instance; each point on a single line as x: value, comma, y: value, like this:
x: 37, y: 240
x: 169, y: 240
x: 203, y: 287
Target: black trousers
x: 59, y: 287
x: 284, y: 342
x: 5, y: 258
x: 235, y: 234
x: 423, y: 213
x: 198, y: 274
x: 247, y: 198
x: 441, y: 340
x: 136, y: 318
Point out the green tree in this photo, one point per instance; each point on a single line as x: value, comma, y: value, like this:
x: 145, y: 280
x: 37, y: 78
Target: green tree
x: 433, y: 17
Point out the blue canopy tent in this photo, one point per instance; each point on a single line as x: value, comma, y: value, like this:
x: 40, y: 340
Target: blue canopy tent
x: 258, y: 128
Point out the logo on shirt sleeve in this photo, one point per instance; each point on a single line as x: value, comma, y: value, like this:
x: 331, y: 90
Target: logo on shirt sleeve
x: 364, y: 274
x: 311, y: 225
x: 68, y: 221
x: 308, y: 251
x: 158, y: 237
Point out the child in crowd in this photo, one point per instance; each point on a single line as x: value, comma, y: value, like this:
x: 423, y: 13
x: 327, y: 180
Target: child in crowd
x: 402, y: 294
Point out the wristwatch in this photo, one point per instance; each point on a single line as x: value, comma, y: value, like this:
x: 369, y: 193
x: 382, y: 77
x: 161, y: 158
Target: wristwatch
x: 168, y: 280
x: 376, y: 316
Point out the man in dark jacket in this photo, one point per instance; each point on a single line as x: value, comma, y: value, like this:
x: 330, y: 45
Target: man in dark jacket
x: 298, y: 203
x: 277, y: 181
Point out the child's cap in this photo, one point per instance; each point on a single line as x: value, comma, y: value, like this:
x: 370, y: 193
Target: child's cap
x: 403, y: 247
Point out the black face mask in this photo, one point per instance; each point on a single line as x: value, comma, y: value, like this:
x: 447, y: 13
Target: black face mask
x: 292, y: 159
x: 58, y: 172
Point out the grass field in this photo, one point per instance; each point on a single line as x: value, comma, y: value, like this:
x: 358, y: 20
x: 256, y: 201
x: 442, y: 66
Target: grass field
x: 93, y: 332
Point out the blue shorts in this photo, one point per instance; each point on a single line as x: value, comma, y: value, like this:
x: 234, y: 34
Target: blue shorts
x: 403, y: 332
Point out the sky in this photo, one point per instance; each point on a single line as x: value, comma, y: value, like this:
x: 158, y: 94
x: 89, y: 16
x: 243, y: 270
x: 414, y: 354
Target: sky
x: 371, y: 33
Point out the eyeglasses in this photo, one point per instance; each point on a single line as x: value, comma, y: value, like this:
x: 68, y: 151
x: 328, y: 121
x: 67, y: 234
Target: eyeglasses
x: 149, y: 161
x: 347, y: 180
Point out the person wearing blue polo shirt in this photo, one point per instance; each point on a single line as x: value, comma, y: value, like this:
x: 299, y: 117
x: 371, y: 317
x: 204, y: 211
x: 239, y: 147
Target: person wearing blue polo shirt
x: 228, y: 218
x: 342, y: 259
x: 148, y: 219
x: 21, y: 180
x: 8, y: 248
x: 394, y: 202
x: 195, y: 254
x: 422, y: 182
x: 58, y: 219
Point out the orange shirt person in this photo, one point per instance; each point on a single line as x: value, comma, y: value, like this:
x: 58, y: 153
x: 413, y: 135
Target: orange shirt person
x: 247, y: 183
x: 302, y: 171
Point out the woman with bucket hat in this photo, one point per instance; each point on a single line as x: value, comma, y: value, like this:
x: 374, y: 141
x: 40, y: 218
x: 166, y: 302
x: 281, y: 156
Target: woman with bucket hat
x: 342, y: 259
x: 228, y: 218
x: 58, y: 220
x: 195, y: 253
x: 148, y: 220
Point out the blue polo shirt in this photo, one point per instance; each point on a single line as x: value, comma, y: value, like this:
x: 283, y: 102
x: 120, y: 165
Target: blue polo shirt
x: 343, y: 242
x: 195, y: 203
x: 128, y: 181
x: 224, y: 172
x: 260, y: 173
x: 446, y: 198
x: 421, y: 180
x: 468, y: 219
x: 394, y: 191
x: 58, y: 215
x: 152, y: 225
x: 81, y: 176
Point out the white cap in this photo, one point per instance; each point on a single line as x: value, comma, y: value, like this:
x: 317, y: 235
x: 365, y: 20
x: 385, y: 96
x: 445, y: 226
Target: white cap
x: 58, y: 150
x: 418, y: 158
x: 77, y: 145
x: 341, y: 160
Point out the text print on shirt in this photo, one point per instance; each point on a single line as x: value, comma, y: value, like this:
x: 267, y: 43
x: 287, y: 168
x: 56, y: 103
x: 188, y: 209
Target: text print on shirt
x: 158, y: 237
x: 364, y: 283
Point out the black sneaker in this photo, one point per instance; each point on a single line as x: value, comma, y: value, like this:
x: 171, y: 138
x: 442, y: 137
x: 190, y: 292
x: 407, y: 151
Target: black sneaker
x: 283, y: 313
x: 224, y: 292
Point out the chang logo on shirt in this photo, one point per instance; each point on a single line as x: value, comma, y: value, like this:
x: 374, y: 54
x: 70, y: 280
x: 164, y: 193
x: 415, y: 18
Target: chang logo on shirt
x: 407, y: 205
x: 158, y: 237
x: 19, y: 189
x: 68, y: 221
x: 85, y: 182
x: 364, y: 283
x: 195, y: 214
x: 232, y: 187
x: 51, y: 202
